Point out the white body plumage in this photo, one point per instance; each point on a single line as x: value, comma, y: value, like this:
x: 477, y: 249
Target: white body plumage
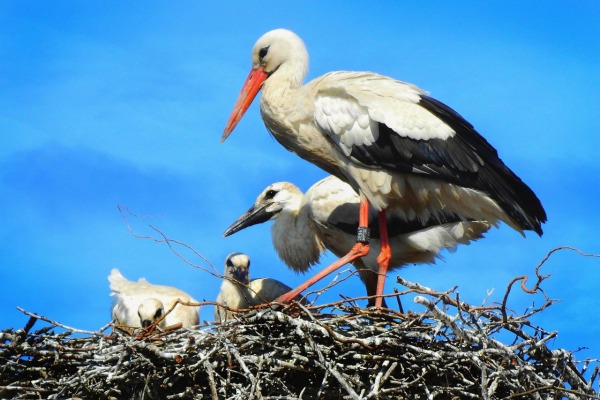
x: 136, y: 302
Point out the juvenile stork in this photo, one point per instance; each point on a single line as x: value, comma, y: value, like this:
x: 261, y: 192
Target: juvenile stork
x: 396, y: 146
x: 239, y: 292
x: 140, y: 304
x: 305, y: 225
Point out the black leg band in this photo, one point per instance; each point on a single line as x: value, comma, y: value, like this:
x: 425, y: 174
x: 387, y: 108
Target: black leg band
x: 363, y: 235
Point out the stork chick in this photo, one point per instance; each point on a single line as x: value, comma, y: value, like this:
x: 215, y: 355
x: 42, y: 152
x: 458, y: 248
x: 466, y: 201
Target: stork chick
x: 140, y: 304
x: 305, y: 225
x: 238, y: 292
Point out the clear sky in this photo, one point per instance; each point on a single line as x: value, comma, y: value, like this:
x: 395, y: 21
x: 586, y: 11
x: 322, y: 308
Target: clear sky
x: 124, y: 103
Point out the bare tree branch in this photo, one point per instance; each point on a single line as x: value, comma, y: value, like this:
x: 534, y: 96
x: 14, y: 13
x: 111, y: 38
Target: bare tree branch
x: 449, y: 349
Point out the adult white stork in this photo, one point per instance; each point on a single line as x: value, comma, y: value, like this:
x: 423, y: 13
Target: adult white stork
x: 238, y: 292
x: 140, y: 304
x: 325, y: 218
x: 395, y: 145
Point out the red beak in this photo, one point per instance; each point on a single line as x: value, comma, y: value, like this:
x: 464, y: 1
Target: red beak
x: 249, y: 91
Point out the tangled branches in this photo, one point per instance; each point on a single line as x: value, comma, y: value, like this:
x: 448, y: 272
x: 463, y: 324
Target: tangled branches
x: 451, y: 350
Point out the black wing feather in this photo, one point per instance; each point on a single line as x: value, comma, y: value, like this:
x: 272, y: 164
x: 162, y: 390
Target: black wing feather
x: 396, y: 225
x: 466, y: 159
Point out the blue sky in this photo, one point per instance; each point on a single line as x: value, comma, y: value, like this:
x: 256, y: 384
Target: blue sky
x: 102, y: 105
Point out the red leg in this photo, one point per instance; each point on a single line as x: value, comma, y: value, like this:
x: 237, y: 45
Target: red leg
x: 363, y: 217
x: 360, y: 249
x: 369, y: 278
x: 383, y: 260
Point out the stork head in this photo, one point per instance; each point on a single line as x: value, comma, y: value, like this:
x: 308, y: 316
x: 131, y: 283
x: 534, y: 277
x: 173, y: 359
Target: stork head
x: 149, y: 311
x: 237, y: 267
x: 279, y: 52
x: 277, y: 48
x: 277, y: 197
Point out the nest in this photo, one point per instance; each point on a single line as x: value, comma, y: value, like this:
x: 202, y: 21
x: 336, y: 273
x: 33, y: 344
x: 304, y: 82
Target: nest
x: 451, y: 350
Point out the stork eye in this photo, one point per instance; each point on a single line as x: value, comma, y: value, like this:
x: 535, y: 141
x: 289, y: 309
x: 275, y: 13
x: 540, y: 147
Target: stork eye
x: 229, y: 263
x: 270, y: 194
x: 158, y: 313
x: 263, y: 52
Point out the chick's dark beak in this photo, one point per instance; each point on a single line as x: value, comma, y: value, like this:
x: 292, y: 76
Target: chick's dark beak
x: 257, y: 214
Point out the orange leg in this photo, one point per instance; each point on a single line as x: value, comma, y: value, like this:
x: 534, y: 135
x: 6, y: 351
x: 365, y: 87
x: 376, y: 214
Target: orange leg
x: 384, y: 257
x: 360, y: 249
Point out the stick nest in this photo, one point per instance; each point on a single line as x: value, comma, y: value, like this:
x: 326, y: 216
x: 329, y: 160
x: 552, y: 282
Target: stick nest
x: 451, y: 350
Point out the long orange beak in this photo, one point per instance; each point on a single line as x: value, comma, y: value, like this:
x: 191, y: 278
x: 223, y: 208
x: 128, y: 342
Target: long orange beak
x: 249, y: 91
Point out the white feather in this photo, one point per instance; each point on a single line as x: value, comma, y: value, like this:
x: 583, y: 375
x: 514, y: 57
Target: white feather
x: 130, y: 295
x: 385, y: 100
